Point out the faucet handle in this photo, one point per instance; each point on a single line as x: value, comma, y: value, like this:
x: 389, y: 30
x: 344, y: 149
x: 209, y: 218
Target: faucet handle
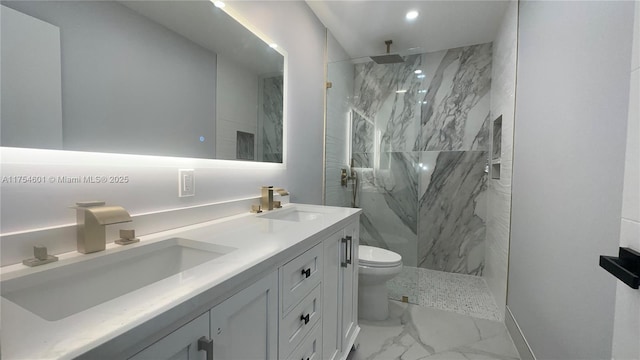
x: 40, y: 257
x: 86, y: 204
x: 40, y: 252
x: 127, y: 237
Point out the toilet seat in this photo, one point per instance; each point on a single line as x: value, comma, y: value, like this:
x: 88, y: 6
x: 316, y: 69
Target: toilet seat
x: 374, y: 257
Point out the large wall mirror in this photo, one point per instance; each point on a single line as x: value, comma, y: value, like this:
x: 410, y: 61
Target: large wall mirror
x: 171, y: 78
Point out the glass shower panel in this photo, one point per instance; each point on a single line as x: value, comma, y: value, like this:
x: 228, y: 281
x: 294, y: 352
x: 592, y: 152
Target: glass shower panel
x: 364, y: 111
x: 337, y: 133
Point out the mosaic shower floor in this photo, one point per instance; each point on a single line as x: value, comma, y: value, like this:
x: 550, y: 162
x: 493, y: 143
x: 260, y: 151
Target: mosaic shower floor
x: 463, y: 294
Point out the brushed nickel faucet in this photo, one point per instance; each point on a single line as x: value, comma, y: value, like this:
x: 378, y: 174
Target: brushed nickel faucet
x: 267, y: 198
x: 92, y: 218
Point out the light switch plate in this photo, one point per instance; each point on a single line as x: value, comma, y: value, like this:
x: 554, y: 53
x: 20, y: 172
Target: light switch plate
x: 186, y: 182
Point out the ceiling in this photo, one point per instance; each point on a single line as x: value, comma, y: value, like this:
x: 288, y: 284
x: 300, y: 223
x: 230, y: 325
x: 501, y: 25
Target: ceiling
x: 361, y: 27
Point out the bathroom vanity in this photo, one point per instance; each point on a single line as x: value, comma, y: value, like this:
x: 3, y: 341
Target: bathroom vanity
x: 276, y: 285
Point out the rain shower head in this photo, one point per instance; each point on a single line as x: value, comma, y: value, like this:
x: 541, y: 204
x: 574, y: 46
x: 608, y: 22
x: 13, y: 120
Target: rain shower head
x: 388, y: 58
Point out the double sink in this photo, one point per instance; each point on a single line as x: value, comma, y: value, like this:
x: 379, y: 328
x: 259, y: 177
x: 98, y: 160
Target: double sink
x: 67, y: 288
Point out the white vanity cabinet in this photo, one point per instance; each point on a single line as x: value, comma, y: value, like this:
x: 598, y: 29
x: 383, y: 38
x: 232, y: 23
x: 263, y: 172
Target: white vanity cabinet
x: 304, y: 309
x: 245, y: 326
x: 301, y: 299
x: 181, y: 344
x: 276, y: 287
x: 340, y: 300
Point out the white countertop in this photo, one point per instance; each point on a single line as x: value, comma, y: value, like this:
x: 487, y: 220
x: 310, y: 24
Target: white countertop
x: 113, y: 326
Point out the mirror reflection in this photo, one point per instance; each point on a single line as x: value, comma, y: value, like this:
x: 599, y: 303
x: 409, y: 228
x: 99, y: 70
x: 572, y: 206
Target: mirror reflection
x: 172, y: 78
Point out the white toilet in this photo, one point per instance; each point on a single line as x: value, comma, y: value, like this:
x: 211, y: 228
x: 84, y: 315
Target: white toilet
x: 376, y: 266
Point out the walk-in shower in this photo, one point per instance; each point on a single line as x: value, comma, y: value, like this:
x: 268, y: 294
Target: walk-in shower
x: 417, y: 136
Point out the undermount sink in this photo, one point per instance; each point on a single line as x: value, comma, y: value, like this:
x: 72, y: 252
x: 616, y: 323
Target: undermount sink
x: 291, y: 215
x: 68, y: 289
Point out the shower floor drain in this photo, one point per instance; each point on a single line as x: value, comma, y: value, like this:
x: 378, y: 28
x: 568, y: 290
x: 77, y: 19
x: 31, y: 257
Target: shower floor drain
x: 463, y: 294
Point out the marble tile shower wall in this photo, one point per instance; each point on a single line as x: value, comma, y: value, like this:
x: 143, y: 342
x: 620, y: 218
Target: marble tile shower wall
x: 420, y: 136
x: 272, y: 100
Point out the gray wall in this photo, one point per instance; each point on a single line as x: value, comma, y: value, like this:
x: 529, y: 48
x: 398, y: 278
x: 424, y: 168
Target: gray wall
x: 146, y: 89
x: 153, y: 180
x: 626, y: 333
x: 304, y: 103
x: 571, y: 110
x: 30, y: 65
x: 503, y: 89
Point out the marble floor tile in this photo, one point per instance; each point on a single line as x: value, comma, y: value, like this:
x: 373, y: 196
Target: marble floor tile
x: 415, y: 332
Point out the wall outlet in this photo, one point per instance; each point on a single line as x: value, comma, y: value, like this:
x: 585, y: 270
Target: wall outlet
x: 186, y: 182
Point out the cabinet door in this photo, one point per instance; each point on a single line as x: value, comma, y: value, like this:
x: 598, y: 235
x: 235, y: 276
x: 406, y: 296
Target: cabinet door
x: 332, y: 305
x: 181, y: 344
x: 245, y: 325
x: 350, y: 285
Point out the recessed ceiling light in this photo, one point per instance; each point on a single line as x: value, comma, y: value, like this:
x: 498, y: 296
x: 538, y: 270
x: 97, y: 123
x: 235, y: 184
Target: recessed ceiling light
x: 412, y: 15
x: 418, y: 71
x: 273, y: 45
x: 219, y: 4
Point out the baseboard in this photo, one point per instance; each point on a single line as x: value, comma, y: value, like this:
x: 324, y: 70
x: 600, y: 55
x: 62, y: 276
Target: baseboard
x: 517, y: 336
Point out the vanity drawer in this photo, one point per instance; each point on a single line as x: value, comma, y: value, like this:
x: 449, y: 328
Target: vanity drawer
x: 299, y: 276
x: 298, y: 323
x: 311, y: 346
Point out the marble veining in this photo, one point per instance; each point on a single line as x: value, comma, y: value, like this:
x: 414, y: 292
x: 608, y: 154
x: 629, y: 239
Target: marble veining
x: 482, y: 139
x: 272, y: 100
x: 420, y: 138
x: 451, y: 233
x: 362, y: 140
x: 389, y: 199
x: 414, y: 332
x: 448, y: 112
x: 389, y: 94
x: 245, y: 145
